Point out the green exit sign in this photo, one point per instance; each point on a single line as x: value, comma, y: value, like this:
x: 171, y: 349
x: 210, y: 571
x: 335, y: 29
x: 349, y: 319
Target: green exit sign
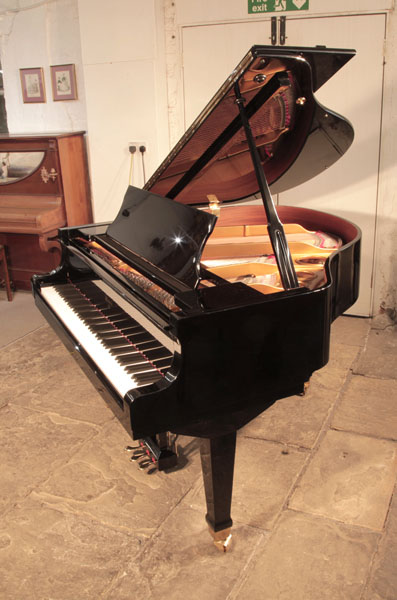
x: 261, y: 6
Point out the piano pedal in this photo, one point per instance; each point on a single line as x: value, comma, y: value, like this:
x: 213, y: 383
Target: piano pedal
x: 305, y: 388
x: 149, y: 454
x: 136, y: 456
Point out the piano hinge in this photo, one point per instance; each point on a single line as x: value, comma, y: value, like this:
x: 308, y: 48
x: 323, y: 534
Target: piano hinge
x: 214, y: 204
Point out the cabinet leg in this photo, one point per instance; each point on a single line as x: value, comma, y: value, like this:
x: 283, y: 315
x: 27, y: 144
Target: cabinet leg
x: 217, y: 461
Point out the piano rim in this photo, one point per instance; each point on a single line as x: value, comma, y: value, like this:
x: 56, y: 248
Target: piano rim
x: 309, y: 218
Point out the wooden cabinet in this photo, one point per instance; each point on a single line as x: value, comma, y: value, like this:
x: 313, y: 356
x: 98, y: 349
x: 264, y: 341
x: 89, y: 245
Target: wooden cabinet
x: 44, y: 185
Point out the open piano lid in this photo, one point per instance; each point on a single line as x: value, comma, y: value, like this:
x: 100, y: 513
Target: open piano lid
x: 296, y: 138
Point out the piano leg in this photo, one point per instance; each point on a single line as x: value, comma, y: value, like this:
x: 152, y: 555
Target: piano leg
x: 217, y: 461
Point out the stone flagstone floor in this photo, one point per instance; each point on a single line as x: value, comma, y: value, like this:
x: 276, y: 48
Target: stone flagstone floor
x: 314, y: 512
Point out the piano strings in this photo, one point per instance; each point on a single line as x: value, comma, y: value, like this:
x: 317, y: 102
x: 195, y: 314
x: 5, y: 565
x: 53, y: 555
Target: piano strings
x: 132, y: 274
x: 309, y: 250
x: 233, y: 253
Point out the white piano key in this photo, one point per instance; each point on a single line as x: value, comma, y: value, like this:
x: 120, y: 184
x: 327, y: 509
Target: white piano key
x: 106, y: 362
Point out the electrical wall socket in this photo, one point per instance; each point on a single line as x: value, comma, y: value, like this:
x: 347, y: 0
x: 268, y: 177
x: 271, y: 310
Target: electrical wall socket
x: 137, y: 145
x: 137, y: 162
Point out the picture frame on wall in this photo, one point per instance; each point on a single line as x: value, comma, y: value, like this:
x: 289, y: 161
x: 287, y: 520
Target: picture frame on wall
x: 32, y: 83
x: 63, y: 80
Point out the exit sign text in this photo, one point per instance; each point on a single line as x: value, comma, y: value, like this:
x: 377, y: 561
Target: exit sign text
x: 261, y: 6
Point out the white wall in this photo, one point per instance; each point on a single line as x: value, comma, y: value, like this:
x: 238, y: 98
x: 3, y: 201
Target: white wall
x: 215, y: 11
x: 123, y: 61
x: 385, y: 281
x: 41, y: 35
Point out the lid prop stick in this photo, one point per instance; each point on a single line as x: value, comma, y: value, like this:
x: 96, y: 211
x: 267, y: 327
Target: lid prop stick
x: 274, y: 226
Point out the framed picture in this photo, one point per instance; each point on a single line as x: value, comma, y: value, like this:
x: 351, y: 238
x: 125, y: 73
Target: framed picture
x: 32, y: 82
x: 63, y: 79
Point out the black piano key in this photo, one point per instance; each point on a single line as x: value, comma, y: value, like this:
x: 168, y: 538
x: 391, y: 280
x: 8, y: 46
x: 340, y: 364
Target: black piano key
x: 101, y: 306
x: 106, y: 334
x: 140, y: 353
x: 140, y: 337
x: 78, y: 303
x: 164, y: 363
x: 138, y: 367
x: 112, y: 312
x: 94, y: 298
x: 68, y: 291
x: 94, y: 292
x: 150, y: 355
x: 141, y: 364
x: 102, y: 327
x: 89, y: 287
x: 107, y: 325
x: 141, y: 367
x: 123, y: 321
x: 101, y: 302
x: 148, y: 378
x: 123, y: 346
x: 118, y: 345
x: 101, y: 314
x: 75, y: 298
x: 94, y: 315
x: 157, y: 353
x: 121, y: 351
x: 121, y: 357
x: 88, y: 310
x: 95, y: 319
x: 130, y: 360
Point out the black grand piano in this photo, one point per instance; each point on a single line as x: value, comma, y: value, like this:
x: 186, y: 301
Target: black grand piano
x: 193, y: 312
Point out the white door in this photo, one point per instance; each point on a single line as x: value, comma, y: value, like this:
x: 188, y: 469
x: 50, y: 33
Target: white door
x: 348, y: 188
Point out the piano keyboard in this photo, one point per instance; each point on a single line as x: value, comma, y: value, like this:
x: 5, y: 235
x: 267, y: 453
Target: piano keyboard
x: 126, y: 353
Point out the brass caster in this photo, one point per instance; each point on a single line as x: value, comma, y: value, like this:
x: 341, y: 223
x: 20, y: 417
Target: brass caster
x: 222, y: 539
x: 305, y: 388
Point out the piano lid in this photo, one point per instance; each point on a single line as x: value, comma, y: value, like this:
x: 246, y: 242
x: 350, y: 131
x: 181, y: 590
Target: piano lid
x: 296, y: 137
